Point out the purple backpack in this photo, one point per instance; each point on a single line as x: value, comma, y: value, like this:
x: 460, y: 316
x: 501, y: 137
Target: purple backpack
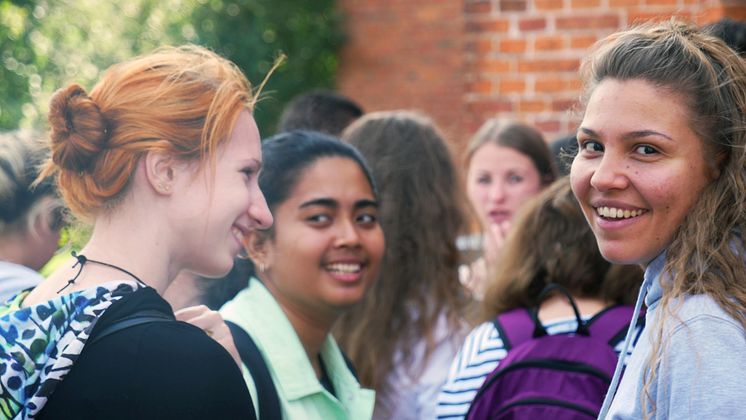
x: 557, y: 377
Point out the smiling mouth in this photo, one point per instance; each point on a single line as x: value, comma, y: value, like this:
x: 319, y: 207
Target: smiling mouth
x: 616, y: 213
x: 344, y: 268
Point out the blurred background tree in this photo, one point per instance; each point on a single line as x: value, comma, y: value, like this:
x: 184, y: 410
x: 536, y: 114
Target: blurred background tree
x: 47, y: 44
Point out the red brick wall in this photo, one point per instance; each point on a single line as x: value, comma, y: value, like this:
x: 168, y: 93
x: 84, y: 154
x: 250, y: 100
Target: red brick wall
x: 462, y: 61
x: 405, y: 54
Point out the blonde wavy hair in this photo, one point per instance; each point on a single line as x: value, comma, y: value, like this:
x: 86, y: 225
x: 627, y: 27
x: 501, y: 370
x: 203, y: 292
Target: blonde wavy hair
x: 707, y: 251
x: 178, y: 100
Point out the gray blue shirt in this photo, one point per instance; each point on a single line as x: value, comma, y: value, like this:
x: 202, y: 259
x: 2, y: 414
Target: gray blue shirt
x: 15, y: 278
x: 702, y: 370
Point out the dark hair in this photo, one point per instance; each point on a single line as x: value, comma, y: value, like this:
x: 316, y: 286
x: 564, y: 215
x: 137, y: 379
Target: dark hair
x: 285, y: 156
x: 214, y: 293
x: 521, y: 137
x: 732, y: 32
x: 319, y: 110
x: 564, y: 150
x: 21, y: 154
x: 421, y: 216
x: 552, y: 243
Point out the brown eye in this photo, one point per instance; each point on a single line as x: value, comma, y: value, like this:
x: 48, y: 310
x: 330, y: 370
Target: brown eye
x: 592, y: 146
x: 646, y: 149
x: 367, y: 218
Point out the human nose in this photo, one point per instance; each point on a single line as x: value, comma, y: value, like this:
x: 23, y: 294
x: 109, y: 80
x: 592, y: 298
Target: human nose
x: 609, y: 174
x: 259, y: 212
x: 347, y: 234
x: 496, y: 193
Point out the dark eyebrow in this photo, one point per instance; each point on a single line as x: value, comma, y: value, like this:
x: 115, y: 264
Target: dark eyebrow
x: 332, y: 203
x: 366, y: 203
x: 645, y: 133
x: 631, y: 135
x: 324, y: 202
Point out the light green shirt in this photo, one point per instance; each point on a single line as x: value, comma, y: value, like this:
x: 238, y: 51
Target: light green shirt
x: 301, y: 394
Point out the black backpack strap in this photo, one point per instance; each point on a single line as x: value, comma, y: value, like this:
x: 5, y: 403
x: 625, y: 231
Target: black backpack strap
x: 350, y: 365
x: 266, y: 394
x: 145, y: 316
x: 548, y: 290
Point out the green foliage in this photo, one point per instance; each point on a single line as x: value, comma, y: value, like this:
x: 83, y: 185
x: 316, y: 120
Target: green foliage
x: 48, y: 44
x: 253, y: 32
x: 15, y: 63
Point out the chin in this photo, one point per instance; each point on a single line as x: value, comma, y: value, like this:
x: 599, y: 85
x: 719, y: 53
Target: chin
x: 348, y: 300
x: 216, y: 270
x: 623, y: 257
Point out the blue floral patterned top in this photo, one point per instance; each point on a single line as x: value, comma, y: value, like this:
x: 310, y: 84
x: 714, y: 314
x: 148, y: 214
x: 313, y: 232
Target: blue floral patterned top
x: 39, y: 344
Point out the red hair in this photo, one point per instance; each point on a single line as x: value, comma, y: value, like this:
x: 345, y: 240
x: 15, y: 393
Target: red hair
x: 178, y: 100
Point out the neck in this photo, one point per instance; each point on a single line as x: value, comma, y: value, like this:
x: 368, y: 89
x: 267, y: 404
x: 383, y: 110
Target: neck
x: 558, y: 307
x: 133, y: 242
x: 312, y: 327
x: 135, y: 245
x: 13, y: 249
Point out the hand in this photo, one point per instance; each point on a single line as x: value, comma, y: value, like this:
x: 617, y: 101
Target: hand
x: 213, y: 325
x: 494, y: 240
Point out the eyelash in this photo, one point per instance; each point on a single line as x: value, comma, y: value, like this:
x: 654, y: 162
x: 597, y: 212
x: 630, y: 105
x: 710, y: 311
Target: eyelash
x: 584, y: 146
x: 366, y: 218
x: 317, y: 218
x: 371, y: 218
x: 585, y: 143
x: 652, y: 149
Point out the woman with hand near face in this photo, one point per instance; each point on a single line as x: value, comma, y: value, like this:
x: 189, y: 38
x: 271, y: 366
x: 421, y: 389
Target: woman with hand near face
x: 507, y: 164
x: 661, y: 178
x: 31, y: 217
x: 162, y: 157
x: 319, y: 259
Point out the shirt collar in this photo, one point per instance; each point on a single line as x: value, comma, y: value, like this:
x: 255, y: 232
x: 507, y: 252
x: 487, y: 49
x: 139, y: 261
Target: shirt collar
x: 653, y: 279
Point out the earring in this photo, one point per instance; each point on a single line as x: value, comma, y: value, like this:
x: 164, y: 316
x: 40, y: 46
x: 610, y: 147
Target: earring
x: 262, y: 267
x: 164, y: 187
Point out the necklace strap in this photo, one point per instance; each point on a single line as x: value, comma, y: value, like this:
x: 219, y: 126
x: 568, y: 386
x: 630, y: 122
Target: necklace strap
x: 82, y: 260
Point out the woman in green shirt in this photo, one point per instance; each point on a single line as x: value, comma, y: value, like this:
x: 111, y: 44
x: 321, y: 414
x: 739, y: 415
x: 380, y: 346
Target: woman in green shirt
x: 318, y: 260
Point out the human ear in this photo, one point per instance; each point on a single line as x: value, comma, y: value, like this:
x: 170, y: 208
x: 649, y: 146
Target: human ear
x: 720, y: 160
x: 257, y: 247
x: 43, y: 223
x: 160, y: 170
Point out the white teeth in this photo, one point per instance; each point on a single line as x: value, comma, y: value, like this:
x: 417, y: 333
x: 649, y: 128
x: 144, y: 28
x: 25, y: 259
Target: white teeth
x: 344, y: 268
x: 237, y: 233
x: 615, y: 213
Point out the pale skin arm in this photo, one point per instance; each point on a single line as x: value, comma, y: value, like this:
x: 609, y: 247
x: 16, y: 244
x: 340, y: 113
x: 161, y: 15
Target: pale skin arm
x: 212, y: 324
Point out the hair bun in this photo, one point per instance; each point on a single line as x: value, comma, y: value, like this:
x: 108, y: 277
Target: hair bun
x: 79, y: 131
